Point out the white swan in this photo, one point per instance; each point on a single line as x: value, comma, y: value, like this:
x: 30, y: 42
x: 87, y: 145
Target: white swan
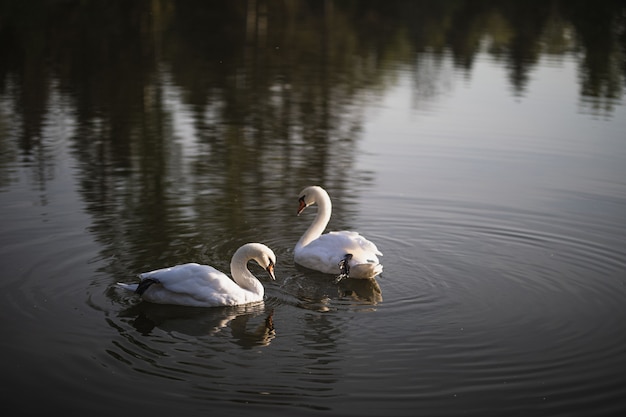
x: 197, y: 285
x: 345, y: 253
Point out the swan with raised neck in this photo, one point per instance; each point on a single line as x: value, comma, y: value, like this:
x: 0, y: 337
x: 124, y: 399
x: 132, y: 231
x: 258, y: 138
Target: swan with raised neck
x: 343, y: 253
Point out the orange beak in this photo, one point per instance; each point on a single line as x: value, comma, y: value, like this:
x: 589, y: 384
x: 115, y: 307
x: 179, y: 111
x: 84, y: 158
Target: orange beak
x: 270, y: 271
x: 301, y: 206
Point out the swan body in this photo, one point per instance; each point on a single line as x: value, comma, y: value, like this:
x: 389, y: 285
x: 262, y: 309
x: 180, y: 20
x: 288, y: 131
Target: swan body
x: 197, y: 285
x: 345, y: 253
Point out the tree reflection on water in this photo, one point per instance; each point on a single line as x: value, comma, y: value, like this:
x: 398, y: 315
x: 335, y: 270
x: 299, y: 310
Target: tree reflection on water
x: 270, y: 94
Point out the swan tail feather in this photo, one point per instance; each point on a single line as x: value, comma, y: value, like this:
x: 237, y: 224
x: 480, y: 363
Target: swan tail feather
x: 366, y: 270
x: 138, y: 288
x: 128, y: 287
x: 145, y: 284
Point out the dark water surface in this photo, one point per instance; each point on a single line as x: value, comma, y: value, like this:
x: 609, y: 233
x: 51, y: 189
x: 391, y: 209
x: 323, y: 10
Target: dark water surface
x: 481, y: 145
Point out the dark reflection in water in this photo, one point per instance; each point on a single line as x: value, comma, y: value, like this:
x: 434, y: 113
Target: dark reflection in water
x: 272, y: 92
x: 278, y: 77
x: 318, y: 290
x: 366, y: 290
x: 205, y: 321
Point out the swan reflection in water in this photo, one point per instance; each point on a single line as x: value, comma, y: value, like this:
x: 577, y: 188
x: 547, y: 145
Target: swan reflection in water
x: 317, y: 291
x: 250, y: 325
x: 363, y: 290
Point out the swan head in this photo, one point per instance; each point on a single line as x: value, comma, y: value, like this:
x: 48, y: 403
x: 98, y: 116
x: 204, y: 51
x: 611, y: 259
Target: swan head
x: 270, y: 268
x: 263, y: 256
x: 309, y: 196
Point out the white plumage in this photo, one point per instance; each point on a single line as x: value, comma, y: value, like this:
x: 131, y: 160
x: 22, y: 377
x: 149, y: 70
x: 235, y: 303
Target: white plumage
x: 343, y: 253
x: 197, y: 285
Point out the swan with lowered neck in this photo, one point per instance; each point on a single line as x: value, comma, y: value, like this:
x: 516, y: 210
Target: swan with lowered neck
x: 197, y: 285
x: 345, y: 253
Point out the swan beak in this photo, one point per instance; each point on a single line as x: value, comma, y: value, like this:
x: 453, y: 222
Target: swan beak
x: 301, y: 206
x: 270, y: 271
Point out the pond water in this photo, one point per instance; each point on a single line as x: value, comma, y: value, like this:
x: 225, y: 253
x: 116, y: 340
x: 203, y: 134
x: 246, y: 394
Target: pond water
x: 481, y: 146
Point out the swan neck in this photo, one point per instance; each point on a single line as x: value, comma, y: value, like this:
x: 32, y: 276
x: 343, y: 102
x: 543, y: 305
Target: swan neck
x: 242, y: 275
x: 324, y: 208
